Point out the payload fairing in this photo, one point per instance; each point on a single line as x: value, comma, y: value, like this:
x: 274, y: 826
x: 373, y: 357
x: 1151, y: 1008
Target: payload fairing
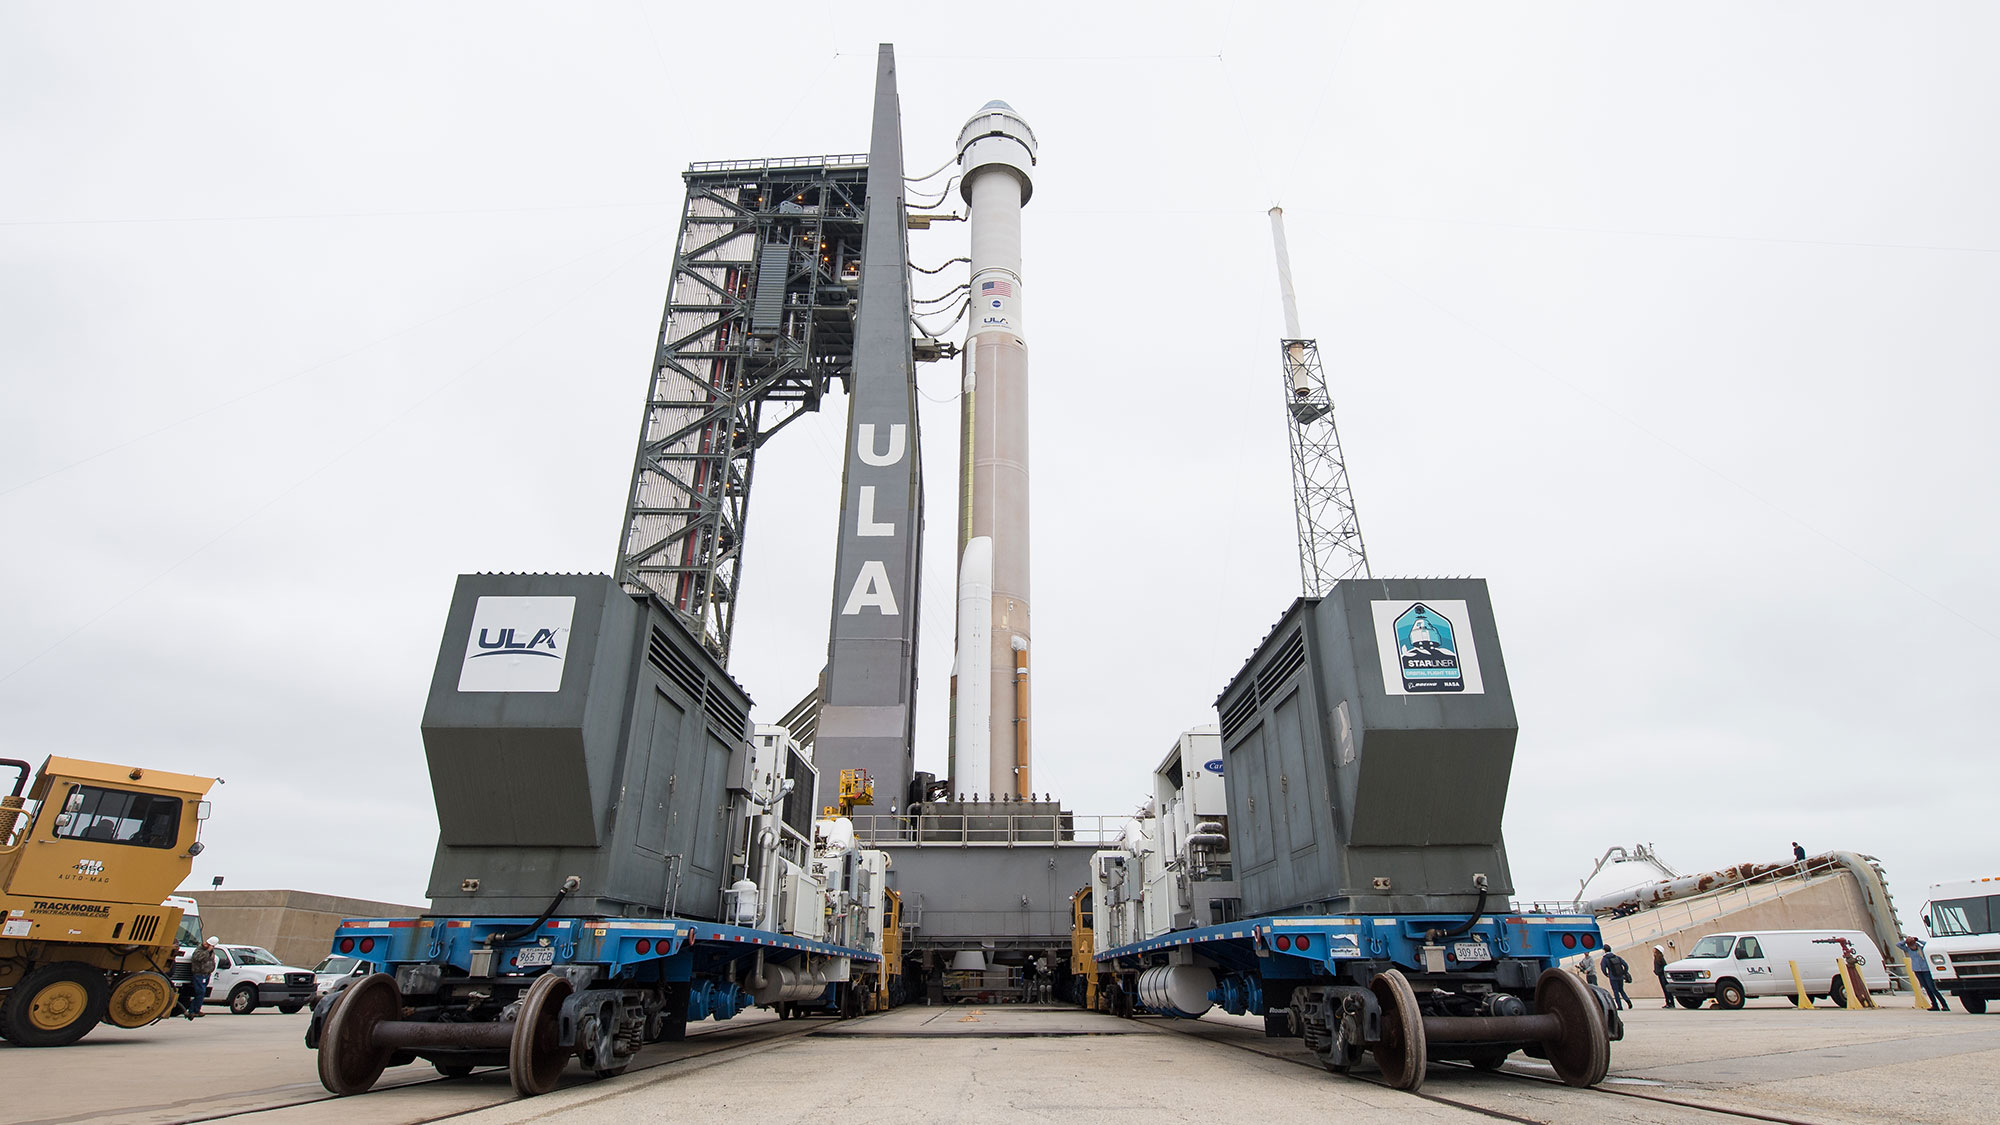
x: 990, y: 735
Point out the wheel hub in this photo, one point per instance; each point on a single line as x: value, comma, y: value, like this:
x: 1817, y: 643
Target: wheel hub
x: 58, y: 1006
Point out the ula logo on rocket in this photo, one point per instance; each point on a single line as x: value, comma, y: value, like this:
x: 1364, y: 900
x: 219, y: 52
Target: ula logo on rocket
x: 505, y: 644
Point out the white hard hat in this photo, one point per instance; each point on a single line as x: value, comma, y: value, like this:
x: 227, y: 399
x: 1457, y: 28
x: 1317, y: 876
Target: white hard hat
x: 213, y: 941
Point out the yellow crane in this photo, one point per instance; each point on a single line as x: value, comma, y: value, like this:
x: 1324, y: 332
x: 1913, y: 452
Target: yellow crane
x: 856, y: 789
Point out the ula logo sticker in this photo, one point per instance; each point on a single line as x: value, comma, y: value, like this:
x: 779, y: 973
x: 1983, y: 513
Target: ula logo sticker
x: 517, y: 644
x: 543, y: 643
x: 1427, y: 651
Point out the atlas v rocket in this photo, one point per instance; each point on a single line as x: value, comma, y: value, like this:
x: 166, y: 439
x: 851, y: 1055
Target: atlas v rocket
x: 990, y: 736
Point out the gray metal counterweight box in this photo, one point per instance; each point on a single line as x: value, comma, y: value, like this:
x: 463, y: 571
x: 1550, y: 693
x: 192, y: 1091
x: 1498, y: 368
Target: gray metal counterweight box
x: 1368, y: 745
x: 575, y: 729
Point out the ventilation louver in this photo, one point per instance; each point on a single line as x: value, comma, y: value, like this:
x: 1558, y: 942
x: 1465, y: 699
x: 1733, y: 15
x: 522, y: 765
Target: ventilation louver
x: 1239, y: 713
x: 661, y: 654
x: 1284, y: 662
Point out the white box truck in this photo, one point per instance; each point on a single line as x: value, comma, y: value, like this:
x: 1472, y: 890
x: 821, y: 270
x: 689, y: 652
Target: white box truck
x: 1731, y: 968
x: 1964, y: 949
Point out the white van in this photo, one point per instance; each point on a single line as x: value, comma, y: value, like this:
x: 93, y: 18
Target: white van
x: 1750, y: 963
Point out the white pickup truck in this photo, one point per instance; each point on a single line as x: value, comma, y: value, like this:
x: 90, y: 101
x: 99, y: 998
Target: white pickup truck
x: 249, y: 975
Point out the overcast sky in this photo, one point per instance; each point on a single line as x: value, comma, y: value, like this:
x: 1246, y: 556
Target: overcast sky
x: 1674, y: 324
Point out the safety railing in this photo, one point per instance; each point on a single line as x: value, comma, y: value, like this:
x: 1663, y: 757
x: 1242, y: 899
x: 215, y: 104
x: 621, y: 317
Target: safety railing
x: 1712, y: 903
x: 983, y: 829
x: 854, y: 160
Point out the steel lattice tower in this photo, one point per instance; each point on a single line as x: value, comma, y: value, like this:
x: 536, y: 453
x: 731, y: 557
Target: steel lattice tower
x: 759, y: 318
x: 1330, y: 545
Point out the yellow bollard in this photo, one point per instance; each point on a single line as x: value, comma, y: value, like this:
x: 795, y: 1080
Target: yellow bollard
x: 1805, y: 1001
x: 1857, y: 989
x: 1910, y: 974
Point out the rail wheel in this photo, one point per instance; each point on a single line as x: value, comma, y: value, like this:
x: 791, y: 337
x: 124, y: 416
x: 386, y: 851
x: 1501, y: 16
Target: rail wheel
x: 1974, y: 1005
x: 138, y: 999
x: 452, y: 1070
x: 1402, y: 1052
x: 55, y: 1005
x: 349, y: 1060
x: 535, y: 1057
x: 1688, y: 1002
x: 1583, y: 1054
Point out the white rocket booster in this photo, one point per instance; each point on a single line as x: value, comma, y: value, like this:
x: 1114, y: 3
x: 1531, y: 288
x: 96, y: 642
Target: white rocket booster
x: 996, y: 153
x: 972, y: 735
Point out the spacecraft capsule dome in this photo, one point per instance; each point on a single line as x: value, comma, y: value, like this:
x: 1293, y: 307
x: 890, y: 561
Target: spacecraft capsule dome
x: 996, y: 137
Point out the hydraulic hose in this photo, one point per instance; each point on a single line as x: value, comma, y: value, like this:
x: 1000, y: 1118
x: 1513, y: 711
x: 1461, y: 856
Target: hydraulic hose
x: 1464, y: 927
x: 569, y: 885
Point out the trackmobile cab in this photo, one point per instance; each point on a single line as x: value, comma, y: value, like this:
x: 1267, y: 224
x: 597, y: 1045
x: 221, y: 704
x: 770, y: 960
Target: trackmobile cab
x: 1733, y: 967
x: 1964, y: 949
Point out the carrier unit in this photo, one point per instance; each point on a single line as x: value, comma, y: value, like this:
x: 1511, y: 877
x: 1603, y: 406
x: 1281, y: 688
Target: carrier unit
x: 1360, y: 884
x: 618, y: 854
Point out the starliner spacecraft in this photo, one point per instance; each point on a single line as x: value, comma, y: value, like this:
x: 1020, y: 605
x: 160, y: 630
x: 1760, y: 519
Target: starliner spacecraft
x: 990, y: 739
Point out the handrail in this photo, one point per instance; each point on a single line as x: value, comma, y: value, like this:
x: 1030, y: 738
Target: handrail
x: 1710, y: 901
x: 946, y: 826
x: 1773, y: 873
x: 853, y: 160
x: 1865, y: 870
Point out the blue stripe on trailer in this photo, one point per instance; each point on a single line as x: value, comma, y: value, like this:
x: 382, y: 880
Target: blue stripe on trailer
x: 1300, y: 943
x: 615, y: 943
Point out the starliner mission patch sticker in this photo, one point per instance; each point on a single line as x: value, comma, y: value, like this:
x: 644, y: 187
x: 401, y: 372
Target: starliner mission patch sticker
x: 1426, y: 648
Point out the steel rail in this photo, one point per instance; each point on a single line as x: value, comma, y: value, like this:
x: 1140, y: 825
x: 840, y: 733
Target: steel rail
x: 760, y: 1035
x: 1470, y: 1107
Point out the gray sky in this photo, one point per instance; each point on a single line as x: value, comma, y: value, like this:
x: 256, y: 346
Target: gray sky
x: 1674, y: 324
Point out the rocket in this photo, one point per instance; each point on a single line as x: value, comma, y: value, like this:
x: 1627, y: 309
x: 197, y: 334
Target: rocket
x: 990, y: 741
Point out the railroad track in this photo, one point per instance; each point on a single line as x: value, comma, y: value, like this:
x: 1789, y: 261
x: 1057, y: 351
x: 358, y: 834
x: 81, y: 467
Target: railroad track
x: 488, y: 1086
x: 1557, y: 1094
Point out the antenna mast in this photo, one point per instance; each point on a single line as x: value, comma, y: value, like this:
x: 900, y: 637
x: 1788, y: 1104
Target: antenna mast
x: 1330, y: 546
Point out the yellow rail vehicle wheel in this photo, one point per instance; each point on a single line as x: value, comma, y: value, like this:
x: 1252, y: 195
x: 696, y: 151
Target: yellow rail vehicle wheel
x: 138, y: 999
x: 55, y: 1005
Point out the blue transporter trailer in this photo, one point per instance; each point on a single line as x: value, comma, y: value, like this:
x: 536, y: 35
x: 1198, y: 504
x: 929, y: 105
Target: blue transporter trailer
x: 1355, y: 894
x: 617, y: 853
x: 1349, y: 986
x: 530, y: 994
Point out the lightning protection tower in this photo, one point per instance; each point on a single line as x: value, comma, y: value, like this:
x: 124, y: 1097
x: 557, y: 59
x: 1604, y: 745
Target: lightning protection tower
x: 1330, y: 546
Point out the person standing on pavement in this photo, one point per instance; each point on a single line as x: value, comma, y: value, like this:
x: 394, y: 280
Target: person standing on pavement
x: 1617, y: 971
x: 1660, y: 971
x: 1918, y: 965
x: 201, y: 967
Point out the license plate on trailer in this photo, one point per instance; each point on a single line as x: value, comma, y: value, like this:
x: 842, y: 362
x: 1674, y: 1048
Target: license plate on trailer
x: 535, y: 955
x: 1471, y: 951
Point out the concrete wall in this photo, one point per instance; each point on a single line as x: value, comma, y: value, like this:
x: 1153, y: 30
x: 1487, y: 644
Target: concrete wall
x: 1832, y: 902
x: 296, y: 925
